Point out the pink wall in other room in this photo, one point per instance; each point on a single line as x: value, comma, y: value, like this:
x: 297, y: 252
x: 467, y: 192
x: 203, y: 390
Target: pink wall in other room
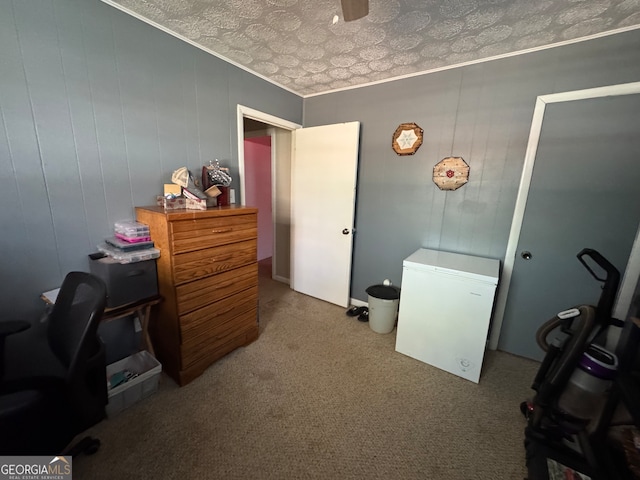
x: 257, y: 168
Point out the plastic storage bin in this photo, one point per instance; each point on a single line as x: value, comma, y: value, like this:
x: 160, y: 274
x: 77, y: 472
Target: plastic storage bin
x: 135, y: 239
x: 145, y: 384
x: 129, y: 257
x: 126, y: 283
x: 383, y: 307
x: 131, y: 229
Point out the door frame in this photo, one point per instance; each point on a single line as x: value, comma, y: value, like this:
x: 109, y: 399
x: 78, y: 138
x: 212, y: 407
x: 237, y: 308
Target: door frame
x: 272, y: 121
x: 631, y: 273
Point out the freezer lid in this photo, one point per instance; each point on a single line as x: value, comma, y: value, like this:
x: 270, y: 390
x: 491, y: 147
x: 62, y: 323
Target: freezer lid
x: 468, y: 266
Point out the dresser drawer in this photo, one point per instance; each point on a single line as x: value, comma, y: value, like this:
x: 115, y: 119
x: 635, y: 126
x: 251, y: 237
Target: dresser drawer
x: 197, y: 294
x: 202, y: 263
x: 200, y: 325
x: 232, y: 334
x: 190, y: 235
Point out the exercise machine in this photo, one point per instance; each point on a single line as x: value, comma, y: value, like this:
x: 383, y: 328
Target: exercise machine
x: 571, y: 383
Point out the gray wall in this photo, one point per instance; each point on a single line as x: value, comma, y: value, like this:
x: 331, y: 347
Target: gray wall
x: 97, y: 110
x: 481, y: 113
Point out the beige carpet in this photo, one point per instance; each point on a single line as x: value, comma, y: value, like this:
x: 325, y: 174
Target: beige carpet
x: 320, y: 396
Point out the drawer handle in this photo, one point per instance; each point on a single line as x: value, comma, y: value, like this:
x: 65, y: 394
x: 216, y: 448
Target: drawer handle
x: 222, y: 258
x: 222, y: 230
x: 223, y: 312
x: 225, y: 285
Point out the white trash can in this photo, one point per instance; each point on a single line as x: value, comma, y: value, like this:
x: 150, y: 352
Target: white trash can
x: 383, y: 307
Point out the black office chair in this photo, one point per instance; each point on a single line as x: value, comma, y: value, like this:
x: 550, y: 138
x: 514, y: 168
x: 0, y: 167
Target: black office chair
x: 53, y: 380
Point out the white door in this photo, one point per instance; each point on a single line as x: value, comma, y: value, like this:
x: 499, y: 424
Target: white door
x: 323, y: 193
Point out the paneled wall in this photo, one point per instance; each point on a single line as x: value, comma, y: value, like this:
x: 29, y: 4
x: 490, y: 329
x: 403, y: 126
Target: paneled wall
x: 97, y: 110
x: 481, y: 113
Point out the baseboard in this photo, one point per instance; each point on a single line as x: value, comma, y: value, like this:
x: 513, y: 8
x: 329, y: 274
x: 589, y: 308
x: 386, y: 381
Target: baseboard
x: 358, y: 303
x: 281, y: 279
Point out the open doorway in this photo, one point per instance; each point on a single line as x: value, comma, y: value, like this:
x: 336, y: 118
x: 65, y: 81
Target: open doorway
x: 264, y: 164
x: 258, y: 183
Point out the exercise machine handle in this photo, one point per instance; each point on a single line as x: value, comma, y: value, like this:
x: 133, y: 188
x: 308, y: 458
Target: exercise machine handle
x: 601, y: 261
x: 611, y: 282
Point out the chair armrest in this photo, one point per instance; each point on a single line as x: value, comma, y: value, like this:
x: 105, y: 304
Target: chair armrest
x: 12, y: 326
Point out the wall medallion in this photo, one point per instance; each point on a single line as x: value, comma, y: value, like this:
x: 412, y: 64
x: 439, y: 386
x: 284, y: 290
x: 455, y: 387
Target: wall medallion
x: 451, y: 173
x: 407, y: 139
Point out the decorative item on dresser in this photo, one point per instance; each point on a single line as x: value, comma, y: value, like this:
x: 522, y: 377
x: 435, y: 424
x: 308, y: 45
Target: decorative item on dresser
x: 208, y: 277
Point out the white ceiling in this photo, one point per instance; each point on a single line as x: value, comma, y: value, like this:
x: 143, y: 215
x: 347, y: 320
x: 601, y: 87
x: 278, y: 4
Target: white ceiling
x: 295, y: 44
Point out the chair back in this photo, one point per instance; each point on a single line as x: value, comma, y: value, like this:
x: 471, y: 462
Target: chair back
x: 74, y: 319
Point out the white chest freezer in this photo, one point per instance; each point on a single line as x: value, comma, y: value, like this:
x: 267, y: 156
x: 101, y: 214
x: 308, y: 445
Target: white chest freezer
x: 445, y: 309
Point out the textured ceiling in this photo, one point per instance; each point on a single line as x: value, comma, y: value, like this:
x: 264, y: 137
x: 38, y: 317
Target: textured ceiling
x: 295, y: 44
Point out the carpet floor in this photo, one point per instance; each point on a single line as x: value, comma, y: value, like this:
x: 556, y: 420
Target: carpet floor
x: 320, y: 395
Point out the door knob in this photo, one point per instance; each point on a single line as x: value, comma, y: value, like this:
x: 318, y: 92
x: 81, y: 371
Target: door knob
x: 526, y: 255
x: 346, y: 231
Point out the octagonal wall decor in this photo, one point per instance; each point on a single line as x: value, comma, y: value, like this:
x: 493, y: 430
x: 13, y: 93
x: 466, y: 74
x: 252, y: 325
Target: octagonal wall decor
x: 451, y: 173
x: 407, y: 139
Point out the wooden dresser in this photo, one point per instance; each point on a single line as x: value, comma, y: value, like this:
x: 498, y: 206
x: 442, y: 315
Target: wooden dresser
x: 208, y: 278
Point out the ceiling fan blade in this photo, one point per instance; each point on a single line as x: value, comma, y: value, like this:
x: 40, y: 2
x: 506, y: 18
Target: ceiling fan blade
x: 354, y: 9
